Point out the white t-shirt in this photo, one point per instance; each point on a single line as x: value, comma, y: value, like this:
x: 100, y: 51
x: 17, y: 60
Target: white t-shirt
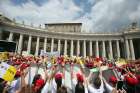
x: 91, y: 89
x: 46, y: 88
x: 109, y: 87
x: 74, y: 82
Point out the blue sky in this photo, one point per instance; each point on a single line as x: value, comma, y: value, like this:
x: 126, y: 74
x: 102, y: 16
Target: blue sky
x: 96, y: 15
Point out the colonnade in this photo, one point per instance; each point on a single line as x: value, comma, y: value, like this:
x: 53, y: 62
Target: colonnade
x: 130, y: 54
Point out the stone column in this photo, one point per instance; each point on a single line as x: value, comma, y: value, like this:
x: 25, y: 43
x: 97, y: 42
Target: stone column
x: 90, y: 48
x: 65, y: 48
x: 52, y: 44
x: 20, y: 43
x: 37, y: 46
x: 132, y: 49
x: 127, y: 49
x: 29, y: 44
x: 97, y: 49
x: 110, y: 49
x: 10, y: 36
x: 71, y: 52
x: 59, y: 46
x: 118, y: 48
x: 45, y: 44
x: 104, y: 50
x: 84, y: 48
x: 78, y: 48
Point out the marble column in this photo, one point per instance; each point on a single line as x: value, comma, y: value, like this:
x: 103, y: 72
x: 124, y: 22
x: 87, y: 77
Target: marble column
x: 37, y: 46
x: 118, y: 48
x: 20, y: 43
x: 71, y: 52
x: 78, y: 48
x: 65, y: 47
x: 45, y: 44
x: 10, y: 36
x: 29, y: 44
x: 132, y: 49
x: 84, y: 48
x: 127, y: 49
x: 59, y: 46
x: 90, y: 48
x: 110, y: 50
x: 104, y: 50
x: 52, y: 44
x: 97, y: 49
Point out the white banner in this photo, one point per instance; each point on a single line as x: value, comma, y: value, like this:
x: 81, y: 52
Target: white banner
x: 49, y: 54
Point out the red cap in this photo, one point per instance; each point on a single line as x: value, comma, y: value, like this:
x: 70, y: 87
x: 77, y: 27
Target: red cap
x: 97, y: 59
x: 18, y: 62
x: 80, y: 77
x: 24, y: 65
x: 110, y: 65
x: 113, y: 79
x: 131, y: 81
x: 39, y: 83
x: 90, y: 65
x: 119, y: 69
x: 18, y: 74
x: 58, y: 76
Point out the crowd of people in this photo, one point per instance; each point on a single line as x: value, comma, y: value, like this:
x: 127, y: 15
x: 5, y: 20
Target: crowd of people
x: 126, y: 78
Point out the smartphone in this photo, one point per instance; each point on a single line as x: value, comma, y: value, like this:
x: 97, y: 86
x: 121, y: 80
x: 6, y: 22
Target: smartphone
x: 120, y: 85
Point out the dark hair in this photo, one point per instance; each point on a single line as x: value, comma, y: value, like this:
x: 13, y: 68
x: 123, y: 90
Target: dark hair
x: 97, y: 82
x: 79, y: 88
x: 58, y: 82
x: 62, y: 89
x: 36, y: 77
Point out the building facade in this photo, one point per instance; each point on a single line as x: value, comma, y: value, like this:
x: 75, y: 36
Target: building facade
x: 69, y: 40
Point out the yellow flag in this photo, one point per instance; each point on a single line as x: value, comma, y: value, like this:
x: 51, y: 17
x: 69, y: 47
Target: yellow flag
x: 7, y: 72
x: 10, y: 73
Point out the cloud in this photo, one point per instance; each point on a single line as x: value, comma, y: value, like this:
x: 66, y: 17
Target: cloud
x: 100, y: 15
x: 51, y: 11
x: 108, y: 15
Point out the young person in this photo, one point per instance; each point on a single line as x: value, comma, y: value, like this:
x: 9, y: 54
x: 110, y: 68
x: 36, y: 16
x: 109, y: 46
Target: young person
x: 79, y: 84
x: 58, y: 81
x: 97, y: 85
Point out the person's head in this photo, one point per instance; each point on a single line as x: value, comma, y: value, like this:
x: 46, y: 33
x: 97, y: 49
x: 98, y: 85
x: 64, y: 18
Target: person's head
x: 36, y: 77
x: 97, y: 82
x: 113, y: 80
x: 58, y: 79
x: 38, y: 83
x: 79, y: 88
x: 80, y: 78
x: 17, y: 75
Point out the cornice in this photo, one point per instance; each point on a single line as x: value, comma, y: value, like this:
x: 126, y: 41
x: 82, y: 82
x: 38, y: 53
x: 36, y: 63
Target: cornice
x: 65, y: 35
